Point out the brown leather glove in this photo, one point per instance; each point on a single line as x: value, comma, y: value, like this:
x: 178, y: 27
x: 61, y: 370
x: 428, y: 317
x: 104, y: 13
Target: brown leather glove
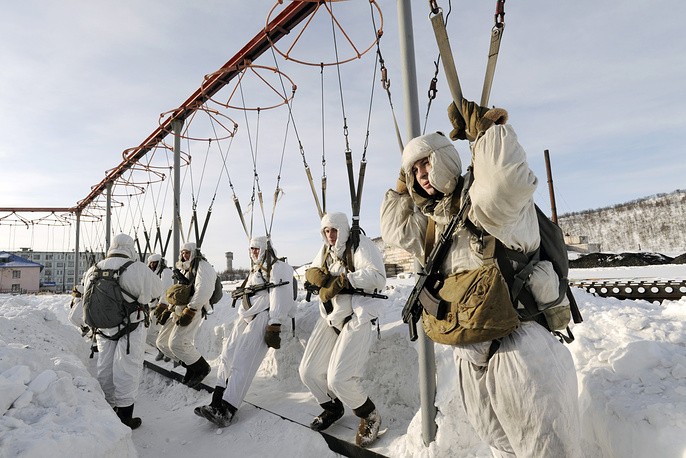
x: 272, y: 336
x: 186, y: 317
x: 317, y: 276
x: 162, y: 319
x: 401, y: 184
x: 333, y: 287
x: 159, y: 310
x: 474, y: 120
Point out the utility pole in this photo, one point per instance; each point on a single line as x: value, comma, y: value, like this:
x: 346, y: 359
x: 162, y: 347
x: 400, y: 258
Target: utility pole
x: 425, y: 350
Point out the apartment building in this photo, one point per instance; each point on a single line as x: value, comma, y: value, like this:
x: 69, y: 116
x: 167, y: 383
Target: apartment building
x: 58, y: 271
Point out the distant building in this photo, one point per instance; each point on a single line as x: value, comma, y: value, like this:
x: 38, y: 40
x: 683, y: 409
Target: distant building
x: 58, y: 272
x: 18, y: 275
x: 396, y: 260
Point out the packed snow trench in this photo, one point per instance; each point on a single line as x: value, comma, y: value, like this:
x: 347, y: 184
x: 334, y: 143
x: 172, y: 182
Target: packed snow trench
x: 630, y: 358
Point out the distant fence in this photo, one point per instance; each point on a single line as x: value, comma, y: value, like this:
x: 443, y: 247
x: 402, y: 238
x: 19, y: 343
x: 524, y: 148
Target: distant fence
x: 648, y: 290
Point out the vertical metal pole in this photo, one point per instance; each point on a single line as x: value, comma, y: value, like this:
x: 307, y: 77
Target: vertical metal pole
x: 177, y: 125
x: 108, y: 218
x: 551, y: 189
x: 425, y: 350
x: 77, y: 250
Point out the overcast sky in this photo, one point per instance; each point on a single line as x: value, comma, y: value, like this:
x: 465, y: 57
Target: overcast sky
x: 598, y: 84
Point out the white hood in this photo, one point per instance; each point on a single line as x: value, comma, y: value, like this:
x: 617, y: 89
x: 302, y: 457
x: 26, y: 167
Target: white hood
x: 261, y: 243
x: 338, y: 221
x: 122, y: 244
x: 446, y: 166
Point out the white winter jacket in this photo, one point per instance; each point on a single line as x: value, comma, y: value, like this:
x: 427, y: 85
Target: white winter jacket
x: 369, y: 273
x: 279, y: 301
x: 203, y: 285
x: 501, y: 195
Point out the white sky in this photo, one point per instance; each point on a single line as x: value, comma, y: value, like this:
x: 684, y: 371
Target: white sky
x: 629, y: 357
x: 597, y: 84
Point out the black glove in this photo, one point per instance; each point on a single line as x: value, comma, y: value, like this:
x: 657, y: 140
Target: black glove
x: 317, y: 276
x: 272, y: 336
x: 335, y: 285
x: 186, y: 317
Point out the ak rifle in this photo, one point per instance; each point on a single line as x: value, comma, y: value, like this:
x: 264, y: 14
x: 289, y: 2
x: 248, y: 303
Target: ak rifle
x: 314, y: 289
x: 249, y: 291
x: 423, y: 293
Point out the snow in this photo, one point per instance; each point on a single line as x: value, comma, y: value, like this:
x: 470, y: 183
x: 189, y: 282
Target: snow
x: 630, y: 358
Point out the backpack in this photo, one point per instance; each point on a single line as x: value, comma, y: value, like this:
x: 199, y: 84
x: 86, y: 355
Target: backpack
x: 554, y: 250
x: 218, y: 292
x: 103, y: 302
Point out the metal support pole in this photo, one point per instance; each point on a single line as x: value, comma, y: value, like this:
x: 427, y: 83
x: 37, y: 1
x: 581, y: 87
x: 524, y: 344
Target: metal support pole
x: 425, y: 348
x: 108, y: 218
x: 77, y: 250
x: 551, y: 189
x: 177, y: 125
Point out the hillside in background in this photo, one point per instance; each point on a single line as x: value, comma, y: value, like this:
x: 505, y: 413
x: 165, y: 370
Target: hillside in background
x: 656, y: 223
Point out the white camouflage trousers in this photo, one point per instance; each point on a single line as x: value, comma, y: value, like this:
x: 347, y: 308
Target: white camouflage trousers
x: 242, y: 354
x: 119, y: 374
x: 333, y: 364
x: 178, y: 342
x: 525, y: 402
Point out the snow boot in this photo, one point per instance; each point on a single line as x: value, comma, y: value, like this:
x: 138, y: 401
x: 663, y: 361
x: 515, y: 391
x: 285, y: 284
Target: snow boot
x: 333, y: 411
x: 196, y: 373
x: 125, y: 414
x: 214, y: 403
x: 220, y: 416
x: 159, y: 355
x: 370, y: 421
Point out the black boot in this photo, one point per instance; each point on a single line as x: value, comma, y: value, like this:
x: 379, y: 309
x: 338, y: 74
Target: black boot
x: 196, y: 373
x: 125, y: 414
x: 214, y: 403
x: 333, y: 411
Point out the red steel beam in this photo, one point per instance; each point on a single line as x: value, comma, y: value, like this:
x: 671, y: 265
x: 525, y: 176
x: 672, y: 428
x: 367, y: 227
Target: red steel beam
x: 280, y: 26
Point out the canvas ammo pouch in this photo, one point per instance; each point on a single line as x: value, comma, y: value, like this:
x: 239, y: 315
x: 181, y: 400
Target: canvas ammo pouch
x: 473, y: 306
x: 179, y: 294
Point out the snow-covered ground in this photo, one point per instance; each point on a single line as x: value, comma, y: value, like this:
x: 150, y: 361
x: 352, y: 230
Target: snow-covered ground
x: 630, y: 358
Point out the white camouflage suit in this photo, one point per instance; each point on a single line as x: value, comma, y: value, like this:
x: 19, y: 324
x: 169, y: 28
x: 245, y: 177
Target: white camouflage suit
x: 244, y: 350
x: 178, y: 342
x: 523, y: 401
x: 118, y: 372
x: 333, y: 364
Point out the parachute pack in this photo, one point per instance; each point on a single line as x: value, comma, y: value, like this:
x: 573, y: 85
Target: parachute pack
x: 104, y: 305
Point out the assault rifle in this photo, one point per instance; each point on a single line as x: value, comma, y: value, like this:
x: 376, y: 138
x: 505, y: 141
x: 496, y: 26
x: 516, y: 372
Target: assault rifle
x: 422, y: 295
x: 314, y: 289
x: 249, y: 291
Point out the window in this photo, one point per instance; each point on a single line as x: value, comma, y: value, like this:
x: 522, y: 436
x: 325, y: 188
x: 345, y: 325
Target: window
x: 16, y: 274
x: 16, y: 288
x: 48, y: 256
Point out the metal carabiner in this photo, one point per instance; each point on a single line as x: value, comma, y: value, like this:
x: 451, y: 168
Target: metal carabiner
x: 435, y: 9
x: 499, y: 16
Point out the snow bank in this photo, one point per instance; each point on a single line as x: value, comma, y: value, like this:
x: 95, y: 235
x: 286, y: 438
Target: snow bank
x: 50, y: 404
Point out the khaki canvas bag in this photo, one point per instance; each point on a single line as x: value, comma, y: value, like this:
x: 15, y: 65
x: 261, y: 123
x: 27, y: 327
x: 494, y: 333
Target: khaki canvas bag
x: 179, y: 294
x: 475, y: 307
